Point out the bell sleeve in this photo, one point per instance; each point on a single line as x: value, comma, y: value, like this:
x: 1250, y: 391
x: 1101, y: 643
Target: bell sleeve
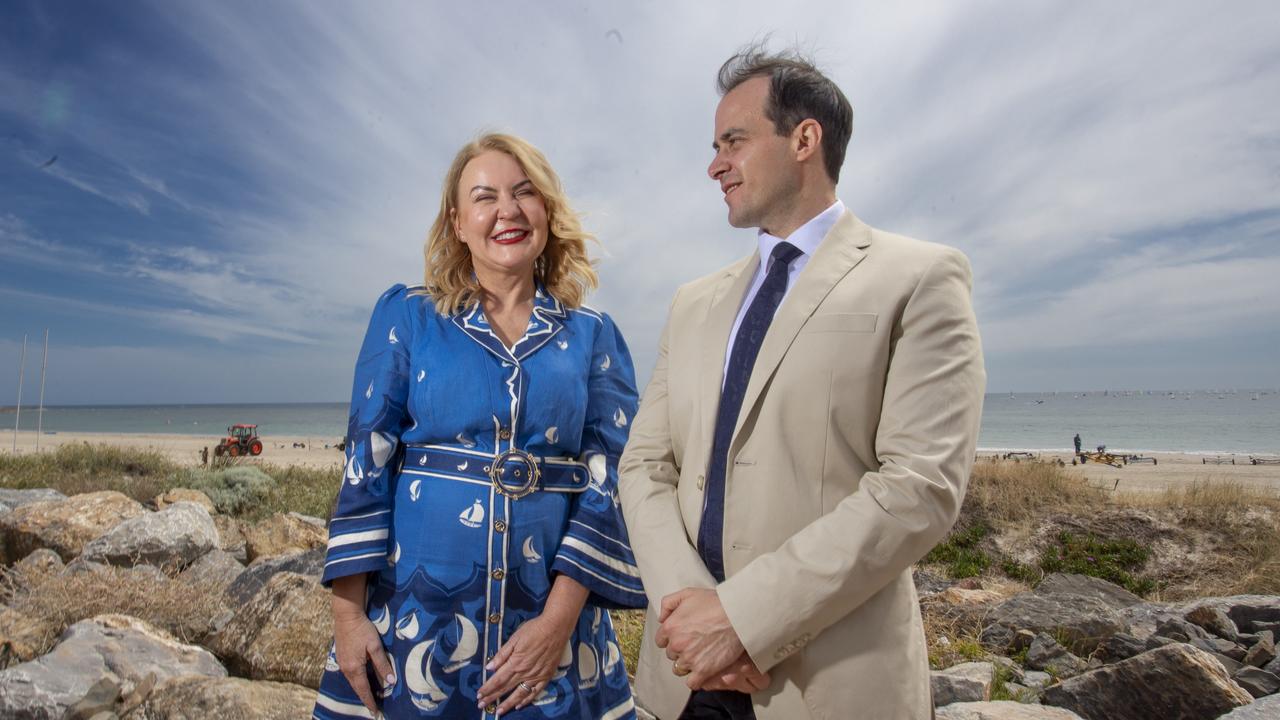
x: 361, y: 520
x: 595, y: 550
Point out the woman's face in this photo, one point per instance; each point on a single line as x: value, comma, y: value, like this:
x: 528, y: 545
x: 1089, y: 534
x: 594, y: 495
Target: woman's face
x: 500, y: 215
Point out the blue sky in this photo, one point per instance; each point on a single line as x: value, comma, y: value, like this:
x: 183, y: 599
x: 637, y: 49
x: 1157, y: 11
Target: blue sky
x: 235, y: 183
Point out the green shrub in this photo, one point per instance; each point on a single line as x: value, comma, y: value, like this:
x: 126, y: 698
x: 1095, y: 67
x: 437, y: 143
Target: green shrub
x: 960, y: 551
x: 233, y: 490
x: 1112, y: 560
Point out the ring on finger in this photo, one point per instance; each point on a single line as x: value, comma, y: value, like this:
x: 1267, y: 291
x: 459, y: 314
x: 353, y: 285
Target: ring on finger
x: 525, y: 687
x: 679, y: 669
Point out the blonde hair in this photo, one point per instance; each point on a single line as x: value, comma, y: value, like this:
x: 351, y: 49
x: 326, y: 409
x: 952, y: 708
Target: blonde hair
x: 563, y: 268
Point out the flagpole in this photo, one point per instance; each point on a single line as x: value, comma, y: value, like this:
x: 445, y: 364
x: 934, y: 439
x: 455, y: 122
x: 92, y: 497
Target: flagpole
x: 17, y: 416
x: 44, y: 364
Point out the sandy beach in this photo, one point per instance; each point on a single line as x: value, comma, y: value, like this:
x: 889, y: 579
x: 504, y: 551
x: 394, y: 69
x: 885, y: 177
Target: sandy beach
x: 1170, y: 470
x: 185, y: 449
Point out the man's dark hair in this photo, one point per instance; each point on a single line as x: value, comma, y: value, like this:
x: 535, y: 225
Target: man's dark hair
x: 797, y: 91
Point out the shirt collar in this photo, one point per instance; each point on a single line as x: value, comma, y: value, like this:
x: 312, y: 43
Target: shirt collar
x: 808, y: 236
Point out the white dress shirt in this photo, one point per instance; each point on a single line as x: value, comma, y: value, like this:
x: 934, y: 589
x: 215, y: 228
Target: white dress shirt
x: 806, y: 238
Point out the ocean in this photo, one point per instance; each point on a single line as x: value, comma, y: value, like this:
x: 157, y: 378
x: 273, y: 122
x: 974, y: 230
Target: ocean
x: 1200, y: 421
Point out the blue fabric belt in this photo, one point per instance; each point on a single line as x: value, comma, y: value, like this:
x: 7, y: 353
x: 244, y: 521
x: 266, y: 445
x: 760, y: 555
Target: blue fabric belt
x: 555, y: 474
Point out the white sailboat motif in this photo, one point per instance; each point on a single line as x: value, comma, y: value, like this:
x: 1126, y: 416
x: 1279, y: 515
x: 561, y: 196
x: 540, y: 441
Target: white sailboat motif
x: 552, y: 434
x: 382, y: 620
x: 395, y: 556
x: 465, y: 441
x: 421, y: 375
x: 473, y: 516
x: 566, y: 659
x: 415, y: 489
x: 530, y: 555
x: 620, y: 418
x: 391, y: 337
x: 462, y: 466
x: 407, y: 627
x: 368, y: 393
x: 468, y: 643
x: 588, y: 667
x: 355, y: 473
x: 423, y: 690
x: 608, y: 363
x: 611, y: 660
x: 331, y: 662
x: 598, y: 466
x: 563, y: 344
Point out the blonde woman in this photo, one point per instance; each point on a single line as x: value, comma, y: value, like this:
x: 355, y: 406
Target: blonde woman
x: 477, y: 540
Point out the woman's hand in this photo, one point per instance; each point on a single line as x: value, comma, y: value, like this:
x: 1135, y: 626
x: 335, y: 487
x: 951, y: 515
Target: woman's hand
x: 526, y: 662
x: 356, y: 641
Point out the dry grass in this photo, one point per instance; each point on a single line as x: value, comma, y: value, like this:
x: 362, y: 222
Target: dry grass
x: 184, y: 609
x: 76, y: 469
x: 1004, y: 492
x: 629, y: 626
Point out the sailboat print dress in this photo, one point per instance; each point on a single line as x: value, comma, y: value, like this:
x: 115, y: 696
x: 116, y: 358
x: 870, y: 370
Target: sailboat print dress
x: 474, y: 475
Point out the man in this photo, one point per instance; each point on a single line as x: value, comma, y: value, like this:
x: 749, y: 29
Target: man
x: 807, y: 434
x: 1078, y: 443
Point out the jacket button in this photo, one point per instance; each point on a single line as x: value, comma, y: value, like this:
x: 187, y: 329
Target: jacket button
x: 700, y: 481
x: 495, y: 618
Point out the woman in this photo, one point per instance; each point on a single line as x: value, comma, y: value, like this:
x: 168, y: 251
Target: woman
x: 477, y: 538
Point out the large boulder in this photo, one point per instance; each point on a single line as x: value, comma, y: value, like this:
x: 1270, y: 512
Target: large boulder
x: 1267, y: 708
x: 18, y: 498
x: 1173, y: 682
x: 1083, y: 622
x: 1263, y: 651
x: 249, y: 582
x: 1256, y: 681
x: 121, y: 650
x: 215, y: 570
x: 22, y: 637
x: 282, y: 533
x: 198, y: 698
x: 231, y: 537
x: 283, y: 633
x: 1003, y: 710
x: 176, y: 495
x: 64, y: 526
x: 966, y: 682
x: 1110, y: 594
x: 170, y: 538
x: 1250, y: 613
x: 1214, y: 620
x: 1046, y: 654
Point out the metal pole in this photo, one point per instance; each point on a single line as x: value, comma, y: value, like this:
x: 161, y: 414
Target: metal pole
x: 17, y: 416
x: 44, y: 364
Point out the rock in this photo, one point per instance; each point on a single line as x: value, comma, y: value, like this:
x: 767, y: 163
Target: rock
x: 165, y: 499
x: 120, y: 649
x: 1273, y: 667
x: 249, y: 582
x: 1012, y: 670
x: 968, y: 598
x: 1140, y: 621
x: 1175, y: 682
x: 1256, y: 681
x: 1046, y: 654
x: 1231, y: 665
x: 1037, y: 680
x: 1083, y: 621
x: 4, y: 508
x: 1110, y: 594
x: 1267, y: 708
x: 64, y: 526
x: 216, y: 568
x: 281, y: 534
x: 967, y: 682
x: 230, y: 537
x: 1159, y: 641
x: 171, y: 538
x: 1263, y: 652
x: 927, y: 583
x: 22, y: 637
x: 1214, y: 620
x: 42, y: 562
x: 18, y: 498
x: 1181, y: 630
x: 1250, y: 613
x: 197, y: 698
x: 1002, y: 710
x: 282, y: 634
x: 1121, y: 646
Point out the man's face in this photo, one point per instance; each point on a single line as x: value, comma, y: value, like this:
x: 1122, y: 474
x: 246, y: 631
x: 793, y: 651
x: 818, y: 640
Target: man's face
x: 756, y: 168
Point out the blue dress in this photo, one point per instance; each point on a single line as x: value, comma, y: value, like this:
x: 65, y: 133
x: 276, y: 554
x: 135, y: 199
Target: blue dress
x: 439, y: 503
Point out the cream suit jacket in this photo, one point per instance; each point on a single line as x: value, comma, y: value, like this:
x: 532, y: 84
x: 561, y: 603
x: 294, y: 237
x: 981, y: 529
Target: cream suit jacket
x: 849, y: 462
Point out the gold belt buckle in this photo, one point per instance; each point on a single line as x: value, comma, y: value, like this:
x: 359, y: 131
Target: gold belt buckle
x: 527, y: 472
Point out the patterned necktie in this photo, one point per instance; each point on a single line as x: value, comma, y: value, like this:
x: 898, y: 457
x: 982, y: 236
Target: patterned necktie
x: 746, y: 346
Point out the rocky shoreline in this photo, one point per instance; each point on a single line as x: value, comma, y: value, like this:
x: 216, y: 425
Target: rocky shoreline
x: 239, y: 626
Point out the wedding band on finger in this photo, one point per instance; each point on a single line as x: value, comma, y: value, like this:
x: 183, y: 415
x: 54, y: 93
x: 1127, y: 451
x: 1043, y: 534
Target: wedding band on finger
x: 525, y: 687
x: 679, y: 669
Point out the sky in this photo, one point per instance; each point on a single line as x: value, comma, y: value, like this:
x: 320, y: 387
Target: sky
x: 201, y: 201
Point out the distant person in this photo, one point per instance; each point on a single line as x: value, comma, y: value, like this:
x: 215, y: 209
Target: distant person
x: 806, y: 437
x: 1077, y: 441
x: 477, y: 540
x: 204, y: 456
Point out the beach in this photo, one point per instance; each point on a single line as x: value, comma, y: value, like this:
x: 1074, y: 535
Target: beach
x: 1172, y: 470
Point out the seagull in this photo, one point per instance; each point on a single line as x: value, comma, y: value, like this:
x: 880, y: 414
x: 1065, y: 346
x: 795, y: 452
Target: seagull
x: 49, y: 162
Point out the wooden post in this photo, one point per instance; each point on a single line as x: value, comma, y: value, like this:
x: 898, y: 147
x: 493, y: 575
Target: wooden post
x: 17, y: 416
x: 44, y: 364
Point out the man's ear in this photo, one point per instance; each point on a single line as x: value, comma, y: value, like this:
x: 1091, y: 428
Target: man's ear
x: 806, y: 139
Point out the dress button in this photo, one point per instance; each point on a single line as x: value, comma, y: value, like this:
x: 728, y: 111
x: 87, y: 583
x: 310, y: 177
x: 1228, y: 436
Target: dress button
x: 700, y: 481
x: 495, y: 618
x: 504, y: 433
x: 499, y: 526
x: 498, y: 574
x: 491, y: 708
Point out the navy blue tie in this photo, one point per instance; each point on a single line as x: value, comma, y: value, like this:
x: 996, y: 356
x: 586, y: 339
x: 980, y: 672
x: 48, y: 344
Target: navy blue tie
x: 746, y: 346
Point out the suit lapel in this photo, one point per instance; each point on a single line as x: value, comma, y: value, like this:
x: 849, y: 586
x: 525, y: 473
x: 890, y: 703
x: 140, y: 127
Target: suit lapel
x: 840, y: 251
x: 722, y: 310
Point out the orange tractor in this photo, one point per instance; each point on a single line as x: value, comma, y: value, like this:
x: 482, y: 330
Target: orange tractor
x: 240, y: 440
